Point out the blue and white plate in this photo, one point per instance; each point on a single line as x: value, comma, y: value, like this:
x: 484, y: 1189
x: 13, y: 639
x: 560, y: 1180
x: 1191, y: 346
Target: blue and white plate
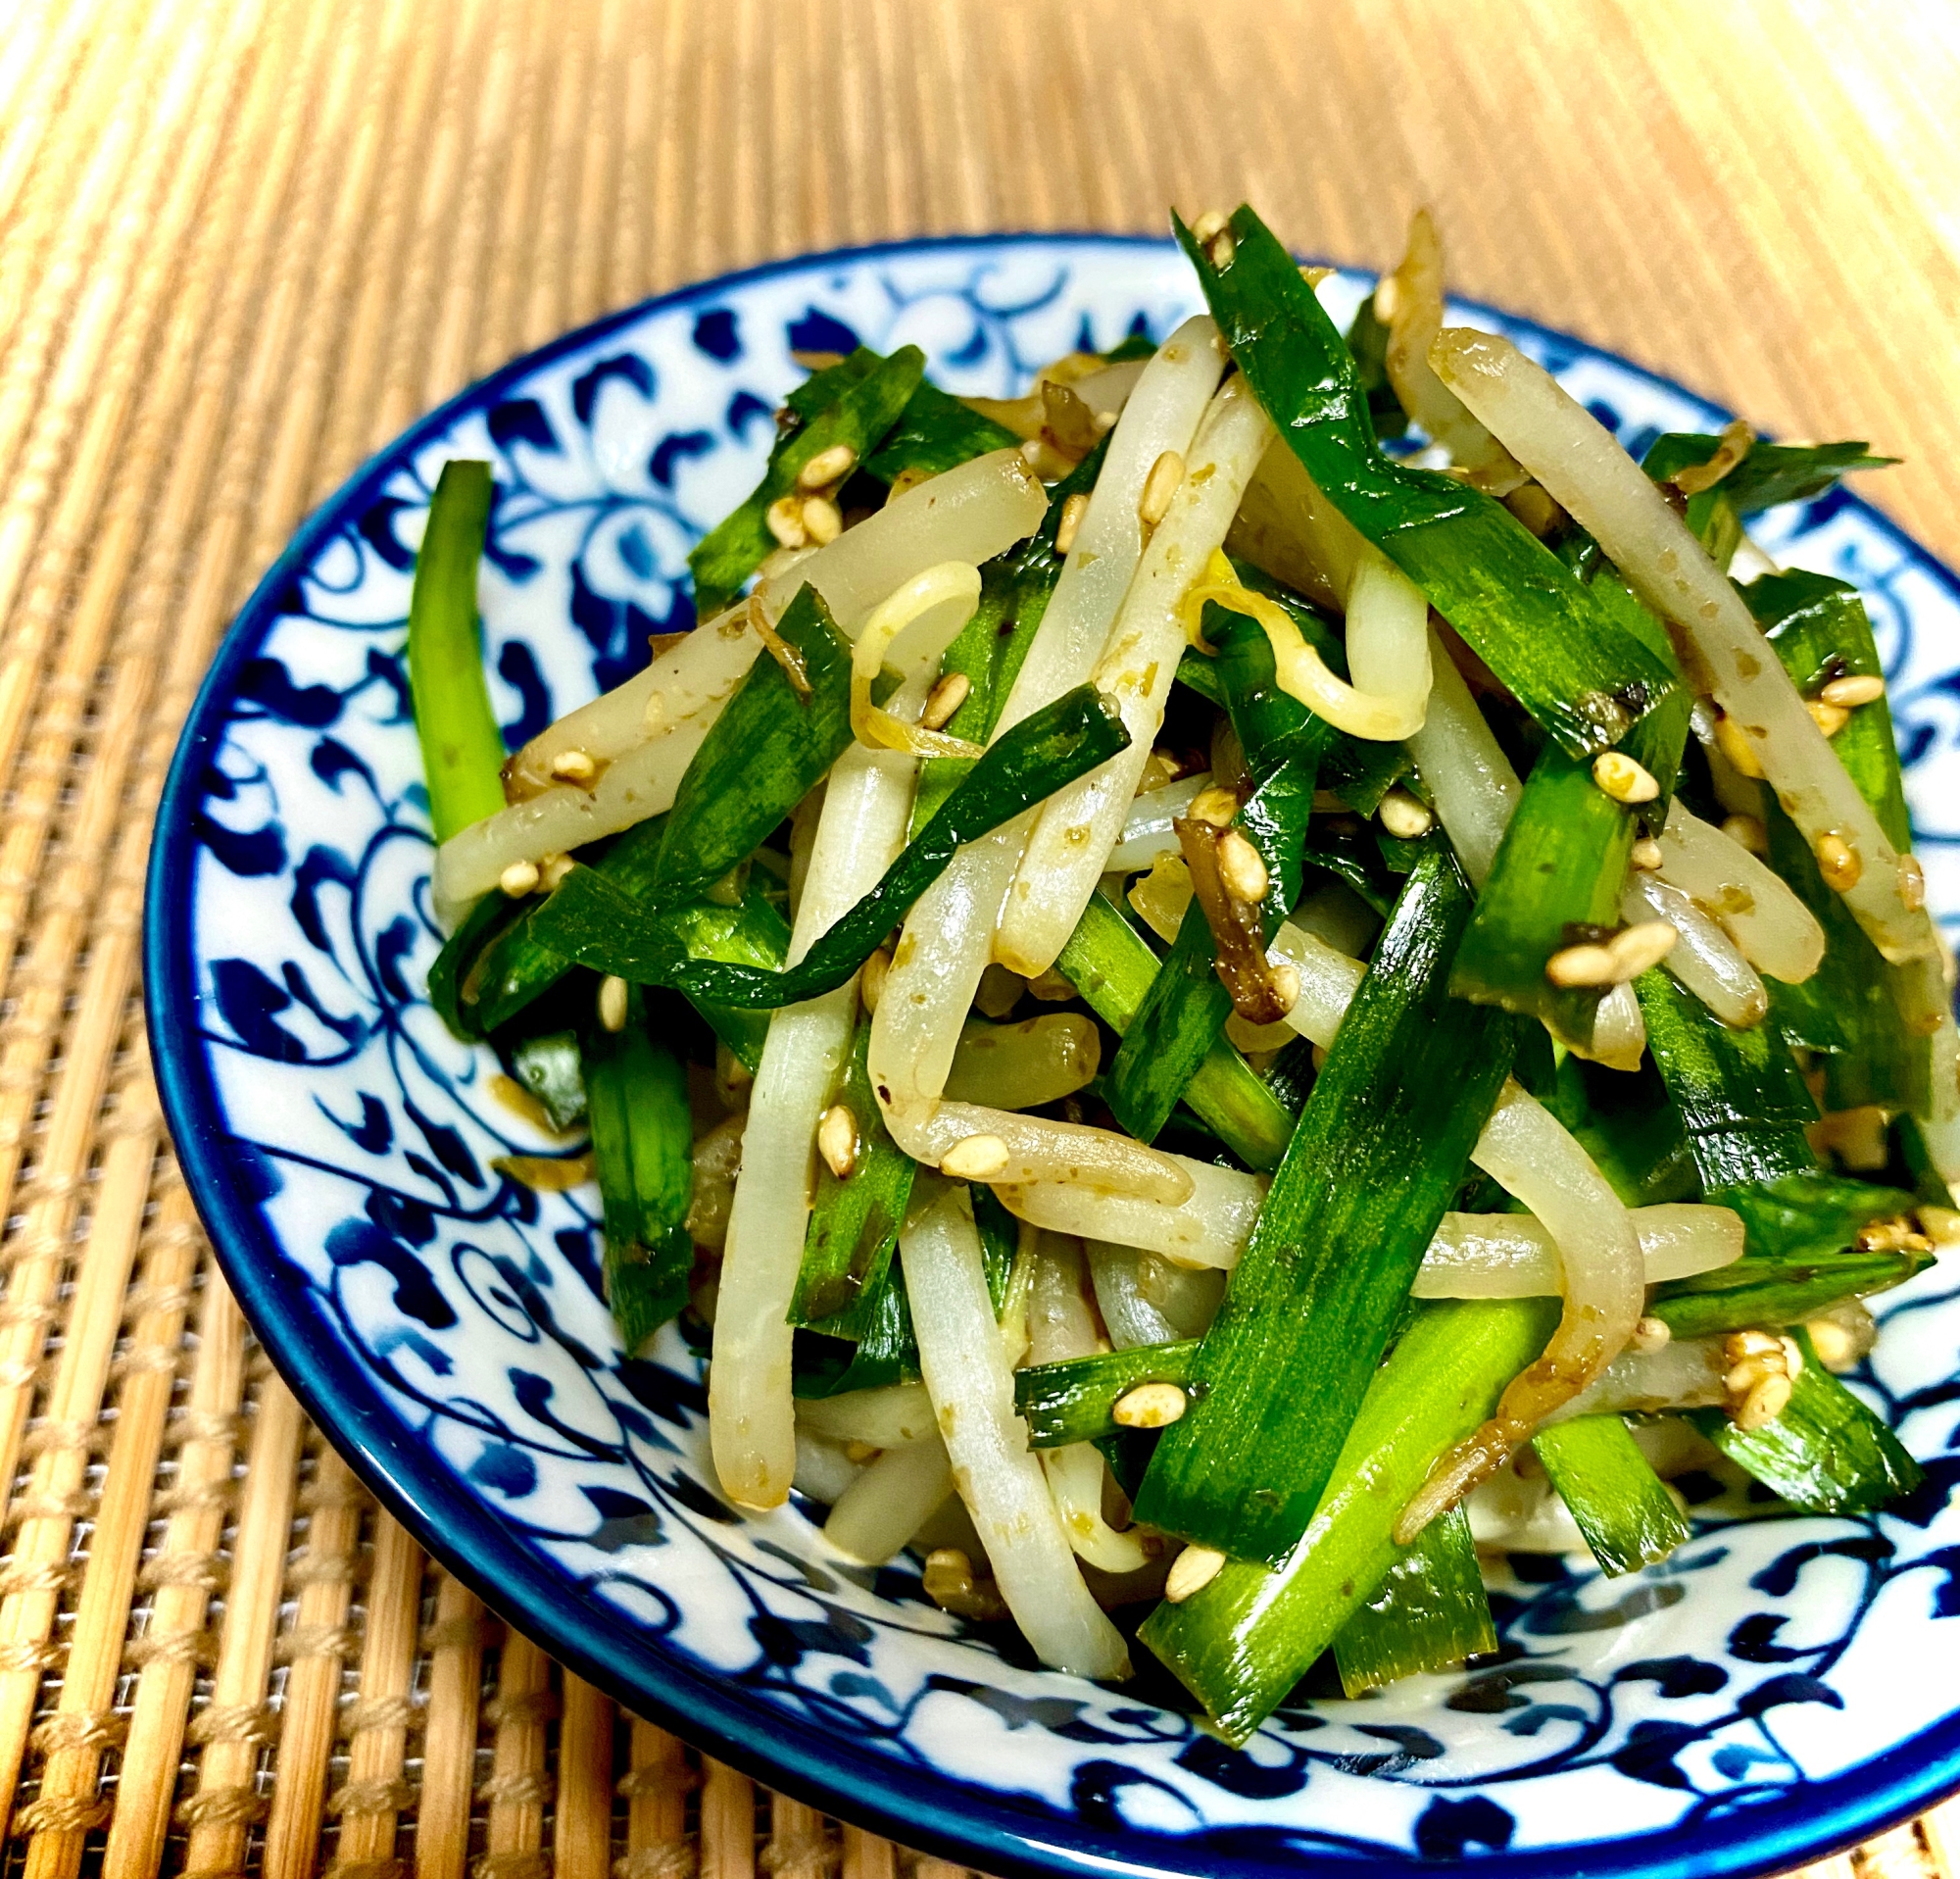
x: 1776, y: 1690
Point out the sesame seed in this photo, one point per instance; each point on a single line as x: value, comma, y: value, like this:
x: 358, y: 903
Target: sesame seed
x: 837, y: 1140
x: 1072, y: 513
x: 1651, y: 1335
x: 821, y: 521
x: 943, y: 700
x: 1209, y: 226
x: 574, y: 767
x: 1623, y: 779
x: 827, y: 466
x: 1746, y: 1375
x: 1241, y: 870
x: 785, y: 522
x: 611, y: 1003
x: 1191, y: 1571
x: 1149, y: 1406
x: 1743, y: 1344
x: 1737, y: 748
x: 1286, y: 982
x: 1747, y: 832
x: 975, y: 1158
x: 1217, y: 806
x: 1837, y: 862
x: 555, y: 868
x: 1638, y: 948
x: 871, y: 986
x: 1912, y: 883
x: 1835, y: 1347
x: 1831, y: 718
x: 1160, y: 486
x: 1221, y: 249
x: 1404, y: 817
x: 519, y: 879
x: 1764, y: 1403
x: 1052, y: 987
x: 1647, y: 855
x: 1792, y: 1356
x: 1848, y: 694
x: 1579, y: 965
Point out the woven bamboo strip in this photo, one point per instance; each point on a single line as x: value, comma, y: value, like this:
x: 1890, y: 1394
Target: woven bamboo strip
x: 868, y: 1857
x: 371, y: 1802
x: 377, y: 324
x: 184, y: 1573
x: 727, y: 1822
x: 66, y: 284
x: 519, y: 1786
x: 462, y: 293
x: 36, y: 59
x: 800, y: 1846
x: 431, y: 242
x: 319, y: 303
x: 582, y: 1813
x: 130, y: 466
x: 46, y: 150
x: 35, y: 1572
x: 160, y: 1303
x: 454, y: 1646
x: 50, y: 499
x: 605, y: 136
x: 656, y: 1787
x: 40, y: 979
x: 483, y: 328
x: 237, y: 1722
x: 541, y: 304
x: 314, y: 1650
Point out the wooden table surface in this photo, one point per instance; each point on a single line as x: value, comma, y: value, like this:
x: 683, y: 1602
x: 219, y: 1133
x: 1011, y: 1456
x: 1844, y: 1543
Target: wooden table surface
x: 243, y: 242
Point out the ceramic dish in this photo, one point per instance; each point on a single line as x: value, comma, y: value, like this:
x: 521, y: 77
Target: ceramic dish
x: 1776, y: 1690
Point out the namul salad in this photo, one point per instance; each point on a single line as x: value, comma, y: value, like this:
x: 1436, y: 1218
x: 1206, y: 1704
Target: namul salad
x: 1217, y: 987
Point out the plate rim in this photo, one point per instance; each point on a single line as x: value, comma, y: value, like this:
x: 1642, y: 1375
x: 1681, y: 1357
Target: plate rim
x: 995, y: 1832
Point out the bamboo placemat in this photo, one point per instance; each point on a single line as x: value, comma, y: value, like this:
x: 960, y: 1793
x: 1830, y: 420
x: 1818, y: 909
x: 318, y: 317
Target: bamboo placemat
x: 242, y: 242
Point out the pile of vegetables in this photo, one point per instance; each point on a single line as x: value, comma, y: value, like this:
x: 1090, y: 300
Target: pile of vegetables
x: 1203, y: 1017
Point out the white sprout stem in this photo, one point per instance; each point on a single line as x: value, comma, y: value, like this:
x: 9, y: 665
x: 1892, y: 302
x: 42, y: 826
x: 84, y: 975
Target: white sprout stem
x: 1146, y: 830
x: 696, y: 675
x: 997, y: 1474
x: 1145, y: 1299
x: 1687, y: 1373
x: 877, y: 1514
x: 823, y: 1470
x: 1021, y: 1067
x: 1410, y: 303
x: 1513, y: 1255
x: 886, y: 1419
x: 1099, y: 1161
x: 1061, y: 1325
x: 1472, y: 1255
x: 1079, y: 825
x: 1132, y: 1319
x: 1464, y: 768
x: 1704, y: 961
x: 1528, y: 1151
x: 1756, y: 906
x: 639, y: 784
x: 949, y: 936
x: 970, y: 514
x: 1388, y: 635
x: 1584, y: 469
x: 750, y: 1415
x: 1208, y: 1227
